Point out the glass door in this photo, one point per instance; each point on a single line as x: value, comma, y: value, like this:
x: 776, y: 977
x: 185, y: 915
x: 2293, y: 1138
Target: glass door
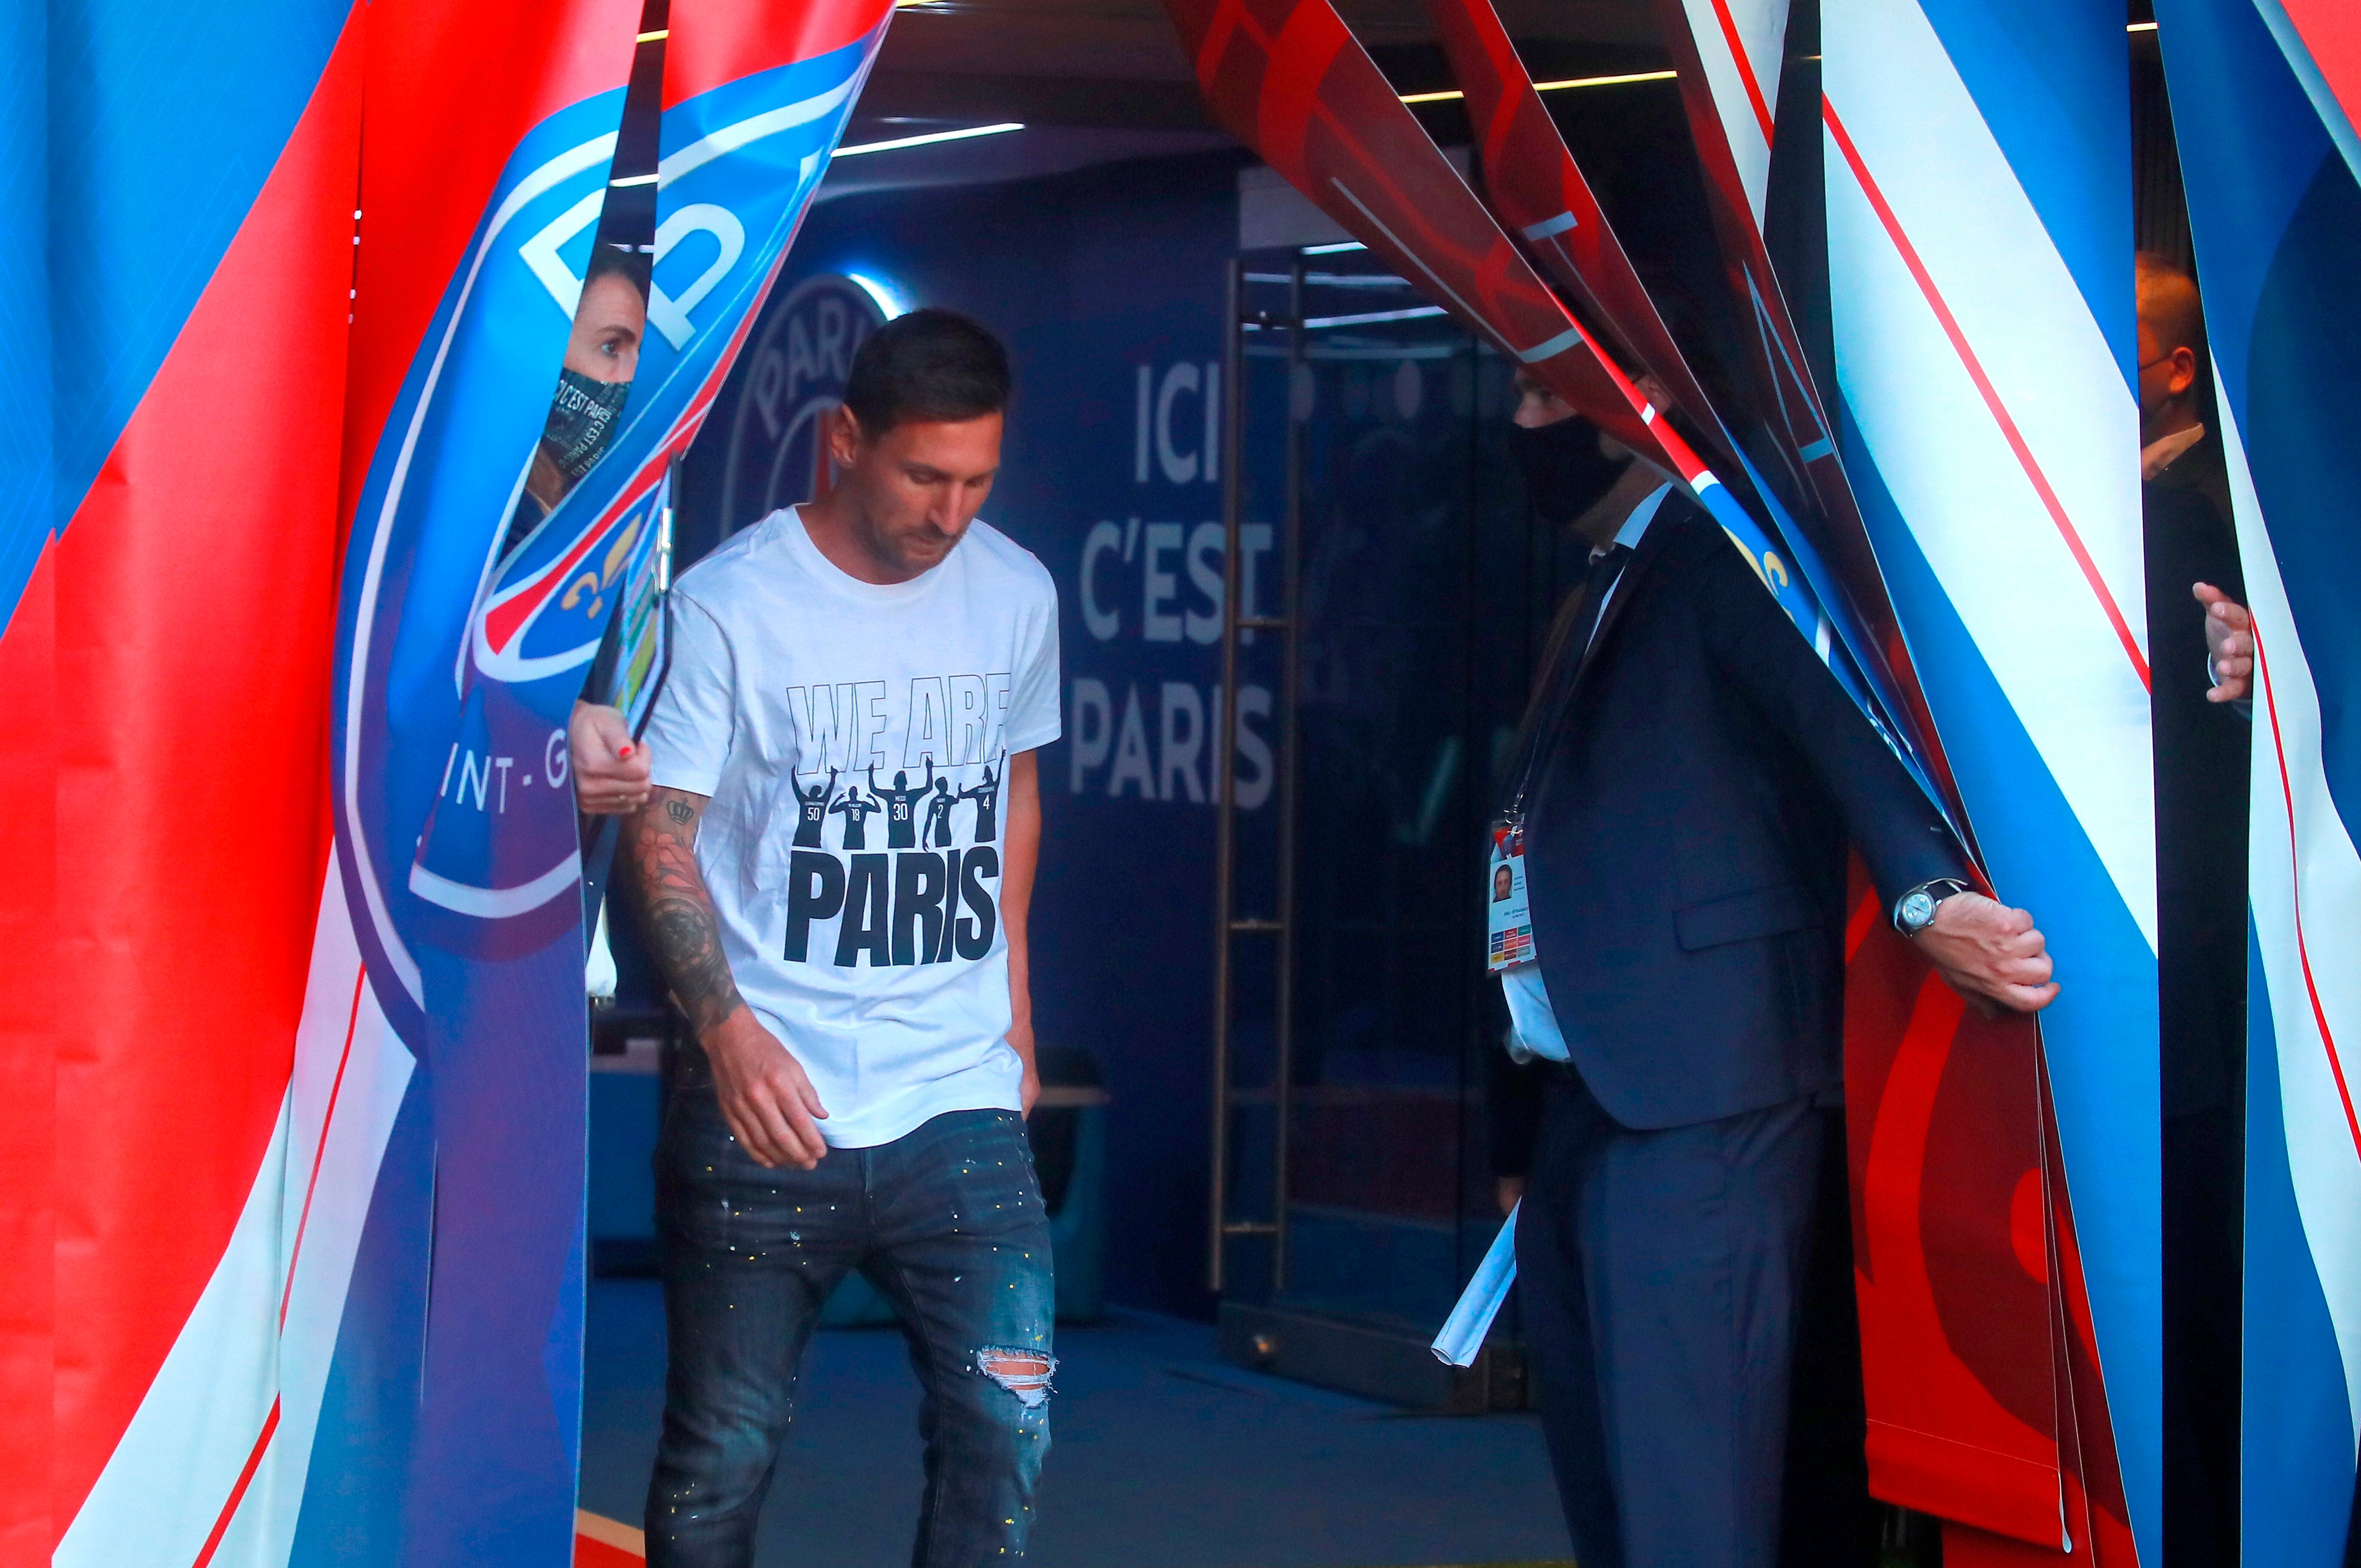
x: 1354, y: 1180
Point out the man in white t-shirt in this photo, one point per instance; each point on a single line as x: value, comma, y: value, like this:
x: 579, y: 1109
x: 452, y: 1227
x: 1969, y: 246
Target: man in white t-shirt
x: 864, y: 1053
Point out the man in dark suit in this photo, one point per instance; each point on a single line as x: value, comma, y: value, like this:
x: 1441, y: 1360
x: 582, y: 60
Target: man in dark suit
x: 2201, y: 744
x: 1690, y: 777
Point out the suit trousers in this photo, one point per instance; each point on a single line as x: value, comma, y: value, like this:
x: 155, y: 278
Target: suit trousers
x: 1661, y: 1274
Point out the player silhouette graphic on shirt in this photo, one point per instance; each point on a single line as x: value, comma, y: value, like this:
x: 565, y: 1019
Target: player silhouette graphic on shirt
x: 986, y: 797
x: 901, y: 822
x: 939, y: 815
x: 855, y: 807
x: 814, y: 816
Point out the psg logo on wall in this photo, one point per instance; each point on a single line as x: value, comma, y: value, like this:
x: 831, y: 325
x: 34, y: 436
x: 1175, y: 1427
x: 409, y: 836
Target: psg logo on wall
x: 794, y: 379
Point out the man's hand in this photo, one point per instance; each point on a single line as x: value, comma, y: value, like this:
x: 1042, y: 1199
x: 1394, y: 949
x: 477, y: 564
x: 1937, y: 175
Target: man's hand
x: 2229, y: 644
x: 1508, y: 1191
x: 610, y: 769
x: 765, y: 1098
x: 1989, y: 953
x: 1020, y: 1040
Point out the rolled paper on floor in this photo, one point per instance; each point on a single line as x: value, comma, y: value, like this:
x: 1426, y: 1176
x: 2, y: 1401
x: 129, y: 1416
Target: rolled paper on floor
x: 1463, y: 1332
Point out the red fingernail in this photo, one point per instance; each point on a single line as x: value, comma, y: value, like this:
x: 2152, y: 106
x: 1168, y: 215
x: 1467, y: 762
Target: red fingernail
x: 626, y: 751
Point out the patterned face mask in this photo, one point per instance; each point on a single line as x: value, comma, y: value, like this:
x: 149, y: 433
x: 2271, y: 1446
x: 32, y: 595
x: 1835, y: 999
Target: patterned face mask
x: 581, y: 421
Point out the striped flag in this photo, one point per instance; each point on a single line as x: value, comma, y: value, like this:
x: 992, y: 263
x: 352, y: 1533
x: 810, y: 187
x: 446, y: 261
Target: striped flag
x: 1980, y: 245
x: 27, y: 754
x: 1978, y: 1365
x: 2264, y: 97
x: 200, y: 255
x: 1734, y: 51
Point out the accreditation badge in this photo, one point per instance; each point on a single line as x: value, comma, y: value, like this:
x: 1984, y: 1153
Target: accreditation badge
x: 1510, y: 921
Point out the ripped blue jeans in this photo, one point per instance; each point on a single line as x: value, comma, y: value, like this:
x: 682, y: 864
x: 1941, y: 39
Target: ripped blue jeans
x: 947, y: 1221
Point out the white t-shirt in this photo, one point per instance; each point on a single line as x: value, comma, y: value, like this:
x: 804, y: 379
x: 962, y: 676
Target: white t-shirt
x: 854, y: 738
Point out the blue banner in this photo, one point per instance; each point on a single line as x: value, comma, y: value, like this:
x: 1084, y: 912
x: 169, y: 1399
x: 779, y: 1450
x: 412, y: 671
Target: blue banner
x: 1979, y: 245
x: 26, y: 431
x: 2275, y: 208
x: 458, y: 669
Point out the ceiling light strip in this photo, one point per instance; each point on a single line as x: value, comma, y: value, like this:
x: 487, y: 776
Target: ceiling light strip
x: 930, y: 138
x: 1455, y: 94
x: 1363, y: 318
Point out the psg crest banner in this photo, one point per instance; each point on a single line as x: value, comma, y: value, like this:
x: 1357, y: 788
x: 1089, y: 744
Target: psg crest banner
x: 740, y: 163
x: 458, y: 670
x: 2265, y: 99
x: 325, y: 1305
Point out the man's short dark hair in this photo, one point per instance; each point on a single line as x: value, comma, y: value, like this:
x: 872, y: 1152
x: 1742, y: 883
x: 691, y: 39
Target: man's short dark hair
x: 617, y: 261
x: 931, y: 366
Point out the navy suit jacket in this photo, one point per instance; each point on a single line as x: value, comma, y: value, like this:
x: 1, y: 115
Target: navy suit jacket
x: 1685, y: 838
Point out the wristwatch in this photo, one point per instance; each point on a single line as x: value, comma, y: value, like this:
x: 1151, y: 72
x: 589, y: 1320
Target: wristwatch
x: 1914, y: 910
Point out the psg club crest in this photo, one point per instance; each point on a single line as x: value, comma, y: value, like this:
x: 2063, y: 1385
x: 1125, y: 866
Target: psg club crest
x: 795, y: 378
x: 462, y: 659
x: 496, y: 858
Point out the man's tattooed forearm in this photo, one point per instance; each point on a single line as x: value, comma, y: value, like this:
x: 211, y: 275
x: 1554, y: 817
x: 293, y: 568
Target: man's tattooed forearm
x: 682, y: 925
x: 687, y: 936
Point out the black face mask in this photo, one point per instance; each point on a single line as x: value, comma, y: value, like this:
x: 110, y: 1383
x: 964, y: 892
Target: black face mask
x: 1564, y: 469
x: 582, y: 417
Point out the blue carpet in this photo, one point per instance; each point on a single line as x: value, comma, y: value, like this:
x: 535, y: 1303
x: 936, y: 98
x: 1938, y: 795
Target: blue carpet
x: 1164, y: 1457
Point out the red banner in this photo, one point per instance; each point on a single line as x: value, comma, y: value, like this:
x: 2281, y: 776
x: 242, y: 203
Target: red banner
x: 1288, y: 80
x: 194, y: 602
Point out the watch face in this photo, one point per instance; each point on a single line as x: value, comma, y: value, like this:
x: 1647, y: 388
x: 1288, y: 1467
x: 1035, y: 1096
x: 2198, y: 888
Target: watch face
x: 1918, y: 910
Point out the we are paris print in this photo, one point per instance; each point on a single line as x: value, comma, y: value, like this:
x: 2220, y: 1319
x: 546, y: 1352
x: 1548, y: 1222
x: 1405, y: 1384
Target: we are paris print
x: 904, y: 861
x: 918, y: 813
x: 920, y: 896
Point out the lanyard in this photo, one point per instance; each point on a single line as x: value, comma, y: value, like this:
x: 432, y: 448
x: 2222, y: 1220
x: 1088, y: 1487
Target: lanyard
x: 1565, y: 662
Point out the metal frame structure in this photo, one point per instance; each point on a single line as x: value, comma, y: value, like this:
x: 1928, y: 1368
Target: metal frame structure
x: 1238, y: 622
x: 1363, y: 1354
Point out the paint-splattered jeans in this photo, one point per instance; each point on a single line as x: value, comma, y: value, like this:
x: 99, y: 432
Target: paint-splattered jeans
x: 947, y: 1223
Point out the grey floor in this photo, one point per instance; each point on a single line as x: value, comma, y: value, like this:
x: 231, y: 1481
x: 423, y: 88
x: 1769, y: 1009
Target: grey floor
x: 1164, y: 1457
